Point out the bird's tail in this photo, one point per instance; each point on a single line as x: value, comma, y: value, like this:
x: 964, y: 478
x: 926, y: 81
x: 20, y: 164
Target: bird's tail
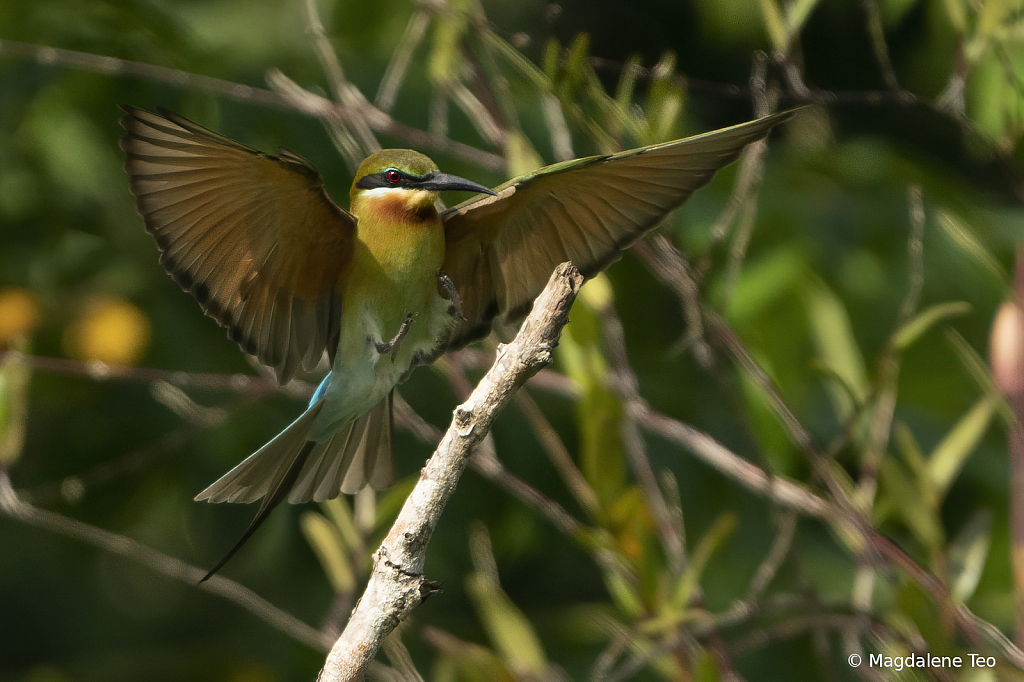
x: 295, y: 468
x: 357, y: 456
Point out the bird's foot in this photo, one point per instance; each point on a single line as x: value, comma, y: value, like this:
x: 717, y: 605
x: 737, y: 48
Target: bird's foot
x: 455, y: 309
x: 392, y: 345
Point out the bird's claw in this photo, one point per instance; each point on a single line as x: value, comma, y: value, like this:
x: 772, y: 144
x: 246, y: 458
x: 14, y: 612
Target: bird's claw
x: 392, y: 345
x: 453, y: 295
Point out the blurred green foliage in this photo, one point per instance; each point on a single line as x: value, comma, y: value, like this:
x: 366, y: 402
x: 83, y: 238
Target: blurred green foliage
x: 879, y: 352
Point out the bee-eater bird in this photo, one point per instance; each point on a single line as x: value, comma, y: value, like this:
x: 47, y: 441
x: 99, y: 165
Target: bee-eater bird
x: 391, y: 283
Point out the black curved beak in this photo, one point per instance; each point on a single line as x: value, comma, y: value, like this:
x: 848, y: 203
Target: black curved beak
x: 440, y: 182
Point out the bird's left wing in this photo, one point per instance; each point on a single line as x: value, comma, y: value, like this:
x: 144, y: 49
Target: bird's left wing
x: 253, y: 236
x: 501, y: 250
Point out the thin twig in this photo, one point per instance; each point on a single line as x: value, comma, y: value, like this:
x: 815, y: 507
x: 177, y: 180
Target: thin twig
x: 665, y: 261
x: 628, y: 387
x: 12, y: 505
x: 487, y: 464
x: 880, y: 427
x: 344, y: 92
x: 312, y: 104
x: 785, y: 492
x: 558, y: 454
x: 394, y: 74
x: 876, y: 32
x: 102, y: 371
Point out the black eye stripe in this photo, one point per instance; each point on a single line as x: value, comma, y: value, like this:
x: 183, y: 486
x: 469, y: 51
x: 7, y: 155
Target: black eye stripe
x: 385, y: 178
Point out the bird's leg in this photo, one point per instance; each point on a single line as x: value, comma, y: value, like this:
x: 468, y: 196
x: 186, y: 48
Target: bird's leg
x: 453, y: 295
x: 392, y: 345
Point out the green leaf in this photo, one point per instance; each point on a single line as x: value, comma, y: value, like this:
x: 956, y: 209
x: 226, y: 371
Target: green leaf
x: 956, y: 12
x: 966, y: 240
x: 599, y: 409
x: 899, y: 494
x: 341, y: 514
x: 666, y: 99
x: 627, y: 82
x: 14, y: 381
x: 521, y: 156
x: 507, y: 628
x: 773, y: 23
x: 926, y: 319
x: 967, y: 554
x: 949, y: 455
x: 972, y: 362
x: 552, y: 55
x: 446, y: 57
x: 710, y: 543
x: 706, y: 670
x: 797, y: 15
x: 539, y: 79
x: 465, y: 661
x: 833, y: 338
x: 323, y: 537
x: 915, y: 460
x: 622, y: 590
x: 763, y: 282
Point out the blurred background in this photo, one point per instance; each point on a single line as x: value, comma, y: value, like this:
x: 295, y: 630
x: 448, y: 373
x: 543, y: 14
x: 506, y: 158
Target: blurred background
x: 822, y: 311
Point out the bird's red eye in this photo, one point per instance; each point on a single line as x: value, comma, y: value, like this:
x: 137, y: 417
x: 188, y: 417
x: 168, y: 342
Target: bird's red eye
x: 392, y: 176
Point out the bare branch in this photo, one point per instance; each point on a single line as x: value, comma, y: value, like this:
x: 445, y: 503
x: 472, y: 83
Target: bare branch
x: 102, y: 371
x: 783, y: 491
x: 311, y: 104
x: 628, y: 386
x: 15, y: 507
x: 397, y: 584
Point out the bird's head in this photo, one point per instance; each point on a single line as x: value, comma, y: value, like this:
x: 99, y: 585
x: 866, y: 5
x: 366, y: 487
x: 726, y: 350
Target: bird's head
x: 406, y: 178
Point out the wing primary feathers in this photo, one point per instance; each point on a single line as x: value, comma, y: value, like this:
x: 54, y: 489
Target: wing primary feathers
x: 585, y: 211
x: 218, y: 211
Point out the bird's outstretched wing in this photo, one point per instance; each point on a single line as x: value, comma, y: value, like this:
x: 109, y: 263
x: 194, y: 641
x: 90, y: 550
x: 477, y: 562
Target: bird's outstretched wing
x: 501, y: 250
x: 253, y: 236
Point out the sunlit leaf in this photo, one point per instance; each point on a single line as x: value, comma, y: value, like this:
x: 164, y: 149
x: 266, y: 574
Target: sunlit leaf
x: 326, y: 542
x: 446, y: 57
x: 965, y: 238
x: 949, y: 455
x: 773, y: 23
x: 340, y: 513
x: 622, y: 590
x: 521, y: 156
x: 832, y: 333
x: 926, y: 319
x: 706, y: 669
x: 798, y: 13
x: 599, y: 409
x: 507, y: 628
x: 967, y: 554
x: 709, y: 543
x: 956, y: 12
x: 466, y: 661
x: 14, y: 384
x: 973, y: 363
x: 763, y: 282
x: 666, y: 101
x: 19, y: 314
x: 539, y: 79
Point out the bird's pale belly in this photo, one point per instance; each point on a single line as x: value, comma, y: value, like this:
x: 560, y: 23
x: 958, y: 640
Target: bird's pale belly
x: 362, y: 375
